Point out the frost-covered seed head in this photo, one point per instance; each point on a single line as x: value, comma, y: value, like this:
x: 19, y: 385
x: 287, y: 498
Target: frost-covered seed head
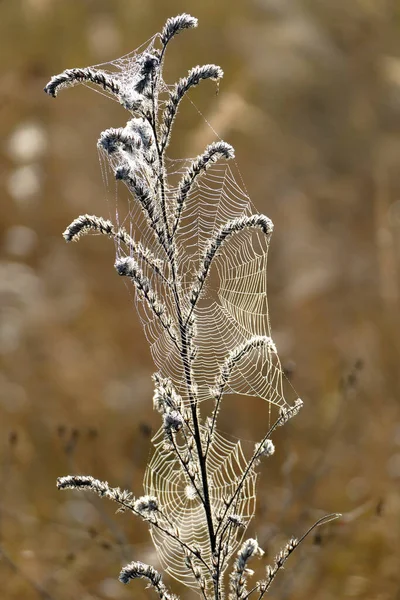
x: 287, y: 413
x: 267, y: 448
x: 146, y: 504
x: 175, y: 25
x: 165, y: 397
x: 173, y: 421
x: 236, y: 520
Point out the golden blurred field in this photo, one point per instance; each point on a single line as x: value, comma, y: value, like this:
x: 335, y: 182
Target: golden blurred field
x: 311, y: 102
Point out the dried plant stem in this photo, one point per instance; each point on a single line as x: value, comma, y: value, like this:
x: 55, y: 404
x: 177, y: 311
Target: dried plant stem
x: 197, y: 478
x: 226, y: 371
x: 284, y: 554
x: 124, y: 500
x: 86, y: 224
x: 200, y: 165
x: 231, y: 228
x: 185, y: 354
x: 251, y: 463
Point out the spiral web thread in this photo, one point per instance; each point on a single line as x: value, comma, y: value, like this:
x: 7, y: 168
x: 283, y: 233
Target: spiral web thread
x: 166, y: 480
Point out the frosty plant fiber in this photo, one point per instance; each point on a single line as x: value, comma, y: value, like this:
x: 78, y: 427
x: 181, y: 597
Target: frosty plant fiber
x: 196, y: 256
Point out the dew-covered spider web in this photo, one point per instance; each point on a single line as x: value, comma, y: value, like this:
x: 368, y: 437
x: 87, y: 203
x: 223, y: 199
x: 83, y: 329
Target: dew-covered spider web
x: 178, y: 499
x: 232, y: 309
x: 233, y: 306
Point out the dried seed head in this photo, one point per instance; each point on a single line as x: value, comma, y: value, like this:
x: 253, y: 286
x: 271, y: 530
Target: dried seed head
x: 249, y: 549
x: 148, y: 65
x: 138, y: 569
x: 146, y: 504
x: 175, y: 25
x: 266, y: 448
x: 111, y: 140
x: 236, y: 521
x: 287, y: 413
x: 173, y: 421
x: 165, y: 397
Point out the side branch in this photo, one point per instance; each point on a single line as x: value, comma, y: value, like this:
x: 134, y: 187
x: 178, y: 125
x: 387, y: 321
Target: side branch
x: 138, y: 569
x: 128, y: 267
x: 232, y: 227
x: 145, y: 507
x: 193, y: 78
x: 281, y: 558
x: 212, y: 153
x: 87, y: 224
x: 285, y: 415
x: 257, y: 341
x: 71, y: 77
x: 144, y: 196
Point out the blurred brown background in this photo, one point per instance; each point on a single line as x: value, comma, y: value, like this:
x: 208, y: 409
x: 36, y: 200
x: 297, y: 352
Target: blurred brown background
x: 311, y: 102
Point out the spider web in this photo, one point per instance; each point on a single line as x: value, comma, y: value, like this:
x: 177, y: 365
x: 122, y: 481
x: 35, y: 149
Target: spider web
x: 178, y: 499
x: 233, y: 306
x: 232, y: 309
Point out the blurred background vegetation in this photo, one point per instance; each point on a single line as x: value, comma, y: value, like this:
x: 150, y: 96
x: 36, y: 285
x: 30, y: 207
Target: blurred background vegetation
x: 311, y: 102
